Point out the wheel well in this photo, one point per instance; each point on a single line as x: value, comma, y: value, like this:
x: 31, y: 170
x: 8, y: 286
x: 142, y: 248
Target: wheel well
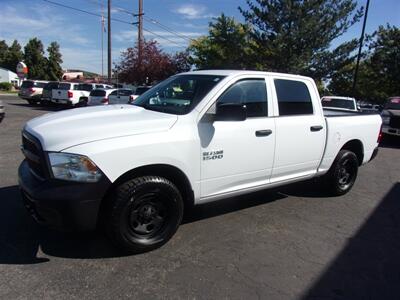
x: 357, y: 148
x: 173, y: 174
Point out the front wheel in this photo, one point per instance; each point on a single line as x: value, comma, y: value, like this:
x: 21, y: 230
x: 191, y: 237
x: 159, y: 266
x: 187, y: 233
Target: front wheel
x: 145, y: 213
x: 343, y: 173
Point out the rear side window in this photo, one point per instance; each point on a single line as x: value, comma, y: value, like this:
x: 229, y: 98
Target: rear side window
x: 141, y: 90
x: 252, y: 93
x: 293, y: 97
x: 98, y: 93
x: 64, y: 86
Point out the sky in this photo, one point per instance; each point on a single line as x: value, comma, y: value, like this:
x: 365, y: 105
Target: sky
x: 79, y: 34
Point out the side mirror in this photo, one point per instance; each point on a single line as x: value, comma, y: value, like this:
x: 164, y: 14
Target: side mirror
x: 231, y: 112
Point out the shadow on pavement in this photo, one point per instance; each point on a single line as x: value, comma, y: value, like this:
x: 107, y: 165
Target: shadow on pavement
x: 21, y: 237
x: 390, y: 141
x: 369, y: 265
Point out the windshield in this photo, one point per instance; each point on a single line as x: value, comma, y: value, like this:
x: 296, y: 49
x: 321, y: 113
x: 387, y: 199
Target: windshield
x: 393, y: 104
x: 178, y: 94
x: 336, y: 102
x: 27, y: 84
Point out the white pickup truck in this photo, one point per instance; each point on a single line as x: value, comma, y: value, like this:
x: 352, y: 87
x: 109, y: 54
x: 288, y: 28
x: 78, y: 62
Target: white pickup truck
x: 74, y: 94
x: 196, y: 137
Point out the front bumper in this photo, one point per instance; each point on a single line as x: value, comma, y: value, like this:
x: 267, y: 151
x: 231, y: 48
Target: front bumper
x: 62, y: 204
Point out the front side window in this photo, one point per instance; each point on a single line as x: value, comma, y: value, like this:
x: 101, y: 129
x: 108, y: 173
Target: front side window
x: 249, y: 92
x: 293, y: 97
x: 178, y: 94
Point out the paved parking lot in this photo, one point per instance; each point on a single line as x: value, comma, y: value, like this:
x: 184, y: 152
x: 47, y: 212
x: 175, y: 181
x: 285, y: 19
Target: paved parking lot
x: 289, y: 243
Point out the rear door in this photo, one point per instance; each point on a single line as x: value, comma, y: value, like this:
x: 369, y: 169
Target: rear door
x: 300, y: 128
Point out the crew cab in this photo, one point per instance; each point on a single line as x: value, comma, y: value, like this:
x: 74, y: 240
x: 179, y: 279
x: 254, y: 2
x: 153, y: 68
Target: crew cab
x: 74, y: 94
x: 339, y: 103
x: 391, y: 117
x: 193, y: 138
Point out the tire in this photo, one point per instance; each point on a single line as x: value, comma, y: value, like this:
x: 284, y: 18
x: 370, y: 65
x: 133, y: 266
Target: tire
x: 144, y: 214
x: 31, y: 102
x: 82, y: 102
x: 343, y: 173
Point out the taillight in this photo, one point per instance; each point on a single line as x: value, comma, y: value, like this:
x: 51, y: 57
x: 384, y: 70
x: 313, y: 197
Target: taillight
x: 380, y: 135
x: 32, y: 90
x: 70, y: 94
x: 104, y: 101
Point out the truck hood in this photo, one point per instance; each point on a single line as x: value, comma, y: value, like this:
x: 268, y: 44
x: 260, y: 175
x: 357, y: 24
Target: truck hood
x: 61, y: 130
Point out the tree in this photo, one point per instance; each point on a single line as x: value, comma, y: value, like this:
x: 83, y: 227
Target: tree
x: 3, y: 52
x: 295, y: 36
x: 35, y: 60
x: 13, y: 56
x: 54, y: 70
x: 379, y: 71
x: 155, y: 65
x: 225, y: 47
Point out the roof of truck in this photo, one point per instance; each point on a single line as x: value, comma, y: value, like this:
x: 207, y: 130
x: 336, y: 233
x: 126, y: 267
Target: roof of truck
x: 240, y: 72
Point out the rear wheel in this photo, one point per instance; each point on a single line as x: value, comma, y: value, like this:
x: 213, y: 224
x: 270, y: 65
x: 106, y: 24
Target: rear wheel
x: 32, y: 102
x: 343, y: 173
x: 145, y: 213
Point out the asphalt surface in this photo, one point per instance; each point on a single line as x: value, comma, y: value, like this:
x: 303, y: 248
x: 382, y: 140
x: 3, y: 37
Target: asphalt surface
x: 289, y: 243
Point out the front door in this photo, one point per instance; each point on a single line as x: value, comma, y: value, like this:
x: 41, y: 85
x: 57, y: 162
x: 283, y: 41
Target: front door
x: 238, y: 154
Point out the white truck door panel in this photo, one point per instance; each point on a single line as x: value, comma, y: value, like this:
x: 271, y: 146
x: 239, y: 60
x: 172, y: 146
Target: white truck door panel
x: 234, y: 156
x: 300, y: 130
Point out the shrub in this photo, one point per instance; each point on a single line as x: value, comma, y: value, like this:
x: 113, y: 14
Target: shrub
x: 5, y: 86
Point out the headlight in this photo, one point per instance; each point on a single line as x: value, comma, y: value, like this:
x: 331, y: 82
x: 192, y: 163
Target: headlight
x: 73, y: 167
x: 385, y: 119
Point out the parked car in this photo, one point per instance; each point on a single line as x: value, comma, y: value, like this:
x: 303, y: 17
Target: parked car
x: 99, y: 96
x: 340, y: 103
x: 31, y: 90
x: 47, y: 92
x: 121, y: 96
x: 138, y: 91
x: 2, y: 111
x: 391, y: 117
x: 76, y: 94
x: 194, y: 138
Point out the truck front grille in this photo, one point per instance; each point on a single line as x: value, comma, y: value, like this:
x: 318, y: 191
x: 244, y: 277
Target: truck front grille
x: 394, y: 122
x: 32, y: 150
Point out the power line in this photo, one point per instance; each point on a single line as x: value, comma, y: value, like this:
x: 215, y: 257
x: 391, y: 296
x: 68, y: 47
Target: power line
x: 88, y: 12
x: 166, y: 28
x: 113, y: 19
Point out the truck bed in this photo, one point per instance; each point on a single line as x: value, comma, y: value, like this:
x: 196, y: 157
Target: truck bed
x: 344, y: 113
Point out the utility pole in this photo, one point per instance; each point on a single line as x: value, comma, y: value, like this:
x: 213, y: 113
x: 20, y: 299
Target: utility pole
x: 102, y: 41
x: 359, y: 49
x: 109, y: 40
x: 140, y: 31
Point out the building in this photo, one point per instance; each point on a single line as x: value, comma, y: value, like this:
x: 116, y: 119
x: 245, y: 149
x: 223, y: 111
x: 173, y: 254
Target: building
x: 9, y: 76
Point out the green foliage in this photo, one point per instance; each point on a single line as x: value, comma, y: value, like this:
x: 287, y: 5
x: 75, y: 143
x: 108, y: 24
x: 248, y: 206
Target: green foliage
x: 225, y: 47
x: 54, y: 70
x: 3, y: 52
x: 35, y: 60
x: 379, y: 71
x: 5, y: 86
x: 295, y: 36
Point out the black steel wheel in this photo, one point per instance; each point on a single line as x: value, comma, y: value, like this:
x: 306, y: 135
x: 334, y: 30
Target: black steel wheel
x: 343, y: 173
x: 145, y: 214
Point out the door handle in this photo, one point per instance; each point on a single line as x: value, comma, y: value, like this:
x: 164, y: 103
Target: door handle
x: 316, y: 128
x: 265, y: 132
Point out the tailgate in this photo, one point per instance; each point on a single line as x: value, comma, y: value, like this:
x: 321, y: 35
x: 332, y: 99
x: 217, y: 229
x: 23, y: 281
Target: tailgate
x: 60, y: 94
